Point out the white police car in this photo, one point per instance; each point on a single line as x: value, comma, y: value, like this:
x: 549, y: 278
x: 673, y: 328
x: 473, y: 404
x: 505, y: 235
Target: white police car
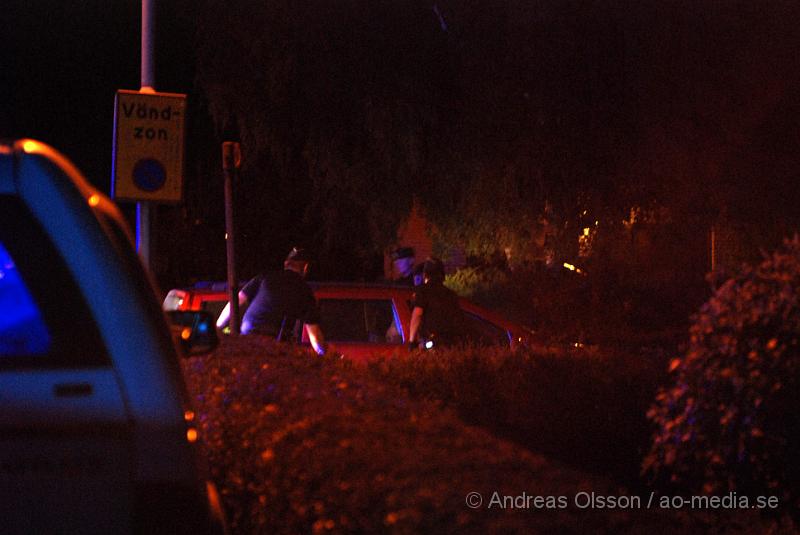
x: 96, y: 433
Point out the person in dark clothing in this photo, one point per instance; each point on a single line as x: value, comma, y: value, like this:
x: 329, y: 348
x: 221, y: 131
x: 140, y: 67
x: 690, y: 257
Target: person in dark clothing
x: 419, y: 276
x: 278, y: 300
x: 436, y: 314
x: 403, y: 262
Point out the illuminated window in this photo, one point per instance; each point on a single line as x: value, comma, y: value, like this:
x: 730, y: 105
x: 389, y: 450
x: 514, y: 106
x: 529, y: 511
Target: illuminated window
x: 22, y: 328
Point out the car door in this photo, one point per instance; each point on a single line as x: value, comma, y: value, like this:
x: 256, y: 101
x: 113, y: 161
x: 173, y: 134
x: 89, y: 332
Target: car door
x: 484, y: 331
x: 65, y: 434
x: 359, y: 327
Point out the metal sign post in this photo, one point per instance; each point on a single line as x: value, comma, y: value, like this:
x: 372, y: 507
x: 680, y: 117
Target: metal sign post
x: 231, y: 161
x: 148, y: 153
x: 147, y: 82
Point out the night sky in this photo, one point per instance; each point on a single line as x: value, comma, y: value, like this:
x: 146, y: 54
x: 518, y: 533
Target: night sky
x: 61, y: 65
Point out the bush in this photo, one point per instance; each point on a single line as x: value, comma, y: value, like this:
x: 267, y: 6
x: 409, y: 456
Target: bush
x: 477, y: 281
x: 299, y: 444
x: 583, y: 408
x: 730, y: 421
x: 493, y: 288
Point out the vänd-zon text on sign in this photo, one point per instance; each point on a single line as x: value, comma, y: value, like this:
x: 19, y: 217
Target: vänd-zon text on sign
x: 148, y: 146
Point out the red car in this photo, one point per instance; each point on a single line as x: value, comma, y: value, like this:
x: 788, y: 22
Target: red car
x: 359, y: 319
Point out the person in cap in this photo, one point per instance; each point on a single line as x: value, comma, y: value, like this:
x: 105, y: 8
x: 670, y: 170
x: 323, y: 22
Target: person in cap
x: 280, y: 302
x: 403, y: 261
x: 436, y: 316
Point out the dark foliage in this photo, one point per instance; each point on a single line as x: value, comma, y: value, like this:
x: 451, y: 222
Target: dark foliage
x: 581, y: 407
x: 615, y: 301
x: 503, y: 118
x: 299, y: 444
x: 731, y: 418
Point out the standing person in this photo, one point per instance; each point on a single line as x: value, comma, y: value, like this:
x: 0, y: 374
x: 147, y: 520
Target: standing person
x: 436, y: 314
x: 403, y: 261
x: 278, y: 300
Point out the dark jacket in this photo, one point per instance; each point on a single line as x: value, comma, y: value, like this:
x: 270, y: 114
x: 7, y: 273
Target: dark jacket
x: 442, y: 317
x: 277, y: 300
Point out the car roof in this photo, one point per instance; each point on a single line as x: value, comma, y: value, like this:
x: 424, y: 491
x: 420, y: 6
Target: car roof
x: 222, y: 285
x: 89, y: 232
x: 209, y: 287
x: 366, y: 290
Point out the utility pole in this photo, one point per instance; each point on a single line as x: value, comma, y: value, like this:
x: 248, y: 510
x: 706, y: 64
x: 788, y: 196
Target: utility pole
x: 231, y: 161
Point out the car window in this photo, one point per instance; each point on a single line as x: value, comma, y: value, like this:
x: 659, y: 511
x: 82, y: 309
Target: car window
x: 360, y: 320
x: 44, y: 320
x: 215, y: 307
x: 485, y: 331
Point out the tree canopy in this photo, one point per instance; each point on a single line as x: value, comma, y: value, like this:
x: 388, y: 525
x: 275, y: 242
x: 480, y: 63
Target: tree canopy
x: 500, y: 116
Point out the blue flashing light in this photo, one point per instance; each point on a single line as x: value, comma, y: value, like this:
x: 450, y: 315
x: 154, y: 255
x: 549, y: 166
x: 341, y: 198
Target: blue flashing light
x: 22, y: 328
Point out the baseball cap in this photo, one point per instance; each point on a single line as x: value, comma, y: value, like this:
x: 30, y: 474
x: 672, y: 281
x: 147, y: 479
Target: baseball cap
x: 298, y: 254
